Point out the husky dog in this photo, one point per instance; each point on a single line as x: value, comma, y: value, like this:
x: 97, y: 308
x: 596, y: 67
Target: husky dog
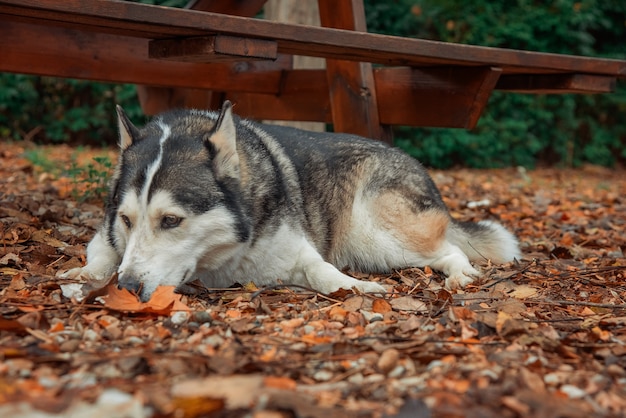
x: 209, y: 196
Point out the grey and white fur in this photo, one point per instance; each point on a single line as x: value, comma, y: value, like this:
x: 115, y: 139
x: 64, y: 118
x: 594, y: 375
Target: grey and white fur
x: 209, y: 196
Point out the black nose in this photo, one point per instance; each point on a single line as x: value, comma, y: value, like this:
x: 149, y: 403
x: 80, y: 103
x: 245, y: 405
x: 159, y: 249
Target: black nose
x: 131, y: 284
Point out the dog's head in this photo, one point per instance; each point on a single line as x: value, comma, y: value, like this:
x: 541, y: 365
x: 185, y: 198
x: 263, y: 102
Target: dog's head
x: 175, y: 204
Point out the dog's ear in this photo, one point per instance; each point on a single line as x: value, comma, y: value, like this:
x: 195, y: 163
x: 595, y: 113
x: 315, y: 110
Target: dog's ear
x: 128, y: 132
x: 222, y: 144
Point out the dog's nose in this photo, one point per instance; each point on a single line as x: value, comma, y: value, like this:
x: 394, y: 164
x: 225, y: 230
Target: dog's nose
x: 129, y: 283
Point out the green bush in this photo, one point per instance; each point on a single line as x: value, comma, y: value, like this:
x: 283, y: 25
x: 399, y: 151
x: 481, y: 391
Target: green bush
x: 517, y: 129
x: 48, y: 109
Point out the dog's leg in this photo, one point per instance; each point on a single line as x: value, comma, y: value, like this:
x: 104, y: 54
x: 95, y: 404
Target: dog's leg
x: 102, y: 261
x: 418, y: 237
x: 311, y: 270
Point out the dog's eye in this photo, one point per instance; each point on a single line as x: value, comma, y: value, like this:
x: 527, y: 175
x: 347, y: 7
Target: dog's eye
x: 126, y: 221
x: 170, y: 221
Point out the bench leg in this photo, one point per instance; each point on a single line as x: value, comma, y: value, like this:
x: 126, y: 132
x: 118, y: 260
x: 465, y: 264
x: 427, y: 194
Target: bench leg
x: 352, y: 90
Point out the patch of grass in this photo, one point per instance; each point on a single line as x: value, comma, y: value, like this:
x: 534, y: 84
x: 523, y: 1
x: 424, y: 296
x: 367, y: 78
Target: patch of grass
x: 38, y: 157
x: 90, y: 181
x: 86, y: 181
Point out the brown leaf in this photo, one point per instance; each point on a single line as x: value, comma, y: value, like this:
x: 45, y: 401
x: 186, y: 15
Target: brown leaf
x: 10, y: 258
x: 337, y: 313
x: 279, y: 382
x: 17, y: 282
x: 12, y: 325
x: 237, y: 391
x: 354, y: 303
x: 523, y: 292
x: 34, y: 320
x: 199, y: 406
x: 43, y: 237
x: 388, y: 360
x: 562, y: 253
x: 507, y: 325
x: 408, y: 303
x: 17, y: 234
x: 460, y: 313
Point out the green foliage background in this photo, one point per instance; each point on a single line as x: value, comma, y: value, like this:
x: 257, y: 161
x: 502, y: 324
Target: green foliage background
x: 520, y: 129
x: 516, y: 129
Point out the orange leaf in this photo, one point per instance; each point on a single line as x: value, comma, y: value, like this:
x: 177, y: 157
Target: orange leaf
x: 269, y: 355
x: 103, y: 322
x: 337, y: 313
x: 316, y: 339
x: 197, y: 406
x: 31, y: 308
x: 57, y: 327
x: 279, y: 382
x: 233, y: 313
x: 381, y: 306
x: 11, y: 325
x: 162, y: 302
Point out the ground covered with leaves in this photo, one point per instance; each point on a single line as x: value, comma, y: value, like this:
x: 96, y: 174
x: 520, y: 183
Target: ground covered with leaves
x: 541, y: 337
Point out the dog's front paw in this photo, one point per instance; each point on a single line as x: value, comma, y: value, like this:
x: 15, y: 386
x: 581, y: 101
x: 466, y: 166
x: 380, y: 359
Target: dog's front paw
x: 87, y: 274
x: 82, y: 274
x: 84, y: 281
x: 71, y: 274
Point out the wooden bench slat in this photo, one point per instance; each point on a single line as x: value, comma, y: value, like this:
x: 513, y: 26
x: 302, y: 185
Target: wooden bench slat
x: 408, y: 96
x: 61, y: 52
x: 215, y: 48
x: 236, y: 7
x: 141, y: 20
x: 561, y: 83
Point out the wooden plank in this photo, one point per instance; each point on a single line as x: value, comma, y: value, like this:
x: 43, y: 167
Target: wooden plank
x: 246, y: 8
x: 557, y: 83
x: 351, y: 84
x: 441, y: 97
x: 482, y: 92
x: 215, y: 48
x: 141, y: 20
x: 62, y: 52
x: 287, y: 107
x: 155, y: 100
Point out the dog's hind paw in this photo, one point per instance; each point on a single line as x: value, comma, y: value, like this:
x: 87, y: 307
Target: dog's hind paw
x: 459, y: 280
x: 369, y: 287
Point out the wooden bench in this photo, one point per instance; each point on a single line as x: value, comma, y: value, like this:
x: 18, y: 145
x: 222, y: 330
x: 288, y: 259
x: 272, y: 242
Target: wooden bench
x: 248, y: 60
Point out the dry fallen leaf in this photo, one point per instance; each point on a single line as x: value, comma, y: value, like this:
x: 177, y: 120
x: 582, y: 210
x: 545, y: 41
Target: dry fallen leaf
x: 408, y: 303
x: 523, y: 292
x: 381, y: 306
x: 163, y: 301
x: 237, y: 391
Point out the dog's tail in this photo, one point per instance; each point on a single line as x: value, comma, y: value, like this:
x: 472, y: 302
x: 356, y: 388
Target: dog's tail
x: 484, y: 240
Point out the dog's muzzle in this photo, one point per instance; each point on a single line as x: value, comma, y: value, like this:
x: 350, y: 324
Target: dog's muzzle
x: 133, y: 285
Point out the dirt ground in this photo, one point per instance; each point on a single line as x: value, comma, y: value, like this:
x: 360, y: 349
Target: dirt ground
x: 541, y: 337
